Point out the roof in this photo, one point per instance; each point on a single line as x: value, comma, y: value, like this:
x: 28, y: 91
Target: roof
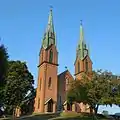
x: 84, y: 59
x: 63, y: 73
x: 65, y: 102
x: 49, y: 36
x: 48, y: 101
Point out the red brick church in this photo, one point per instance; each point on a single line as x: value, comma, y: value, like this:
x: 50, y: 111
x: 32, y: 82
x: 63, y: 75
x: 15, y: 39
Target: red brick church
x: 52, y: 87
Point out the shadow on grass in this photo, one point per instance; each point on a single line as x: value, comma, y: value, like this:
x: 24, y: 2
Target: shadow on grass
x: 82, y: 116
x: 39, y: 116
x: 62, y: 116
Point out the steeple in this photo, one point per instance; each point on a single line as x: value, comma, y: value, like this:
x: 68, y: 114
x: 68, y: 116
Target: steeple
x: 82, y: 50
x: 49, y: 36
x: 88, y: 50
x: 47, y: 88
x: 81, y: 35
x: 50, y: 26
x: 83, y: 63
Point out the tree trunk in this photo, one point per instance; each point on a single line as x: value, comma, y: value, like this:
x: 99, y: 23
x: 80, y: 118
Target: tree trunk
x: 91, y: 110
x: 14, y: 116
x: 96, y: 109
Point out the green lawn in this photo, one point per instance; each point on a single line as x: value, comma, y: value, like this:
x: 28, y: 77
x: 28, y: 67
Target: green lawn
x: 39, y: 116
x: 62, y: 116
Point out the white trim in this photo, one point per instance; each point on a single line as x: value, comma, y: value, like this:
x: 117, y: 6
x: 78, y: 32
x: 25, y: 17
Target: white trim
x: 65, y: 102
x: 47, y: 101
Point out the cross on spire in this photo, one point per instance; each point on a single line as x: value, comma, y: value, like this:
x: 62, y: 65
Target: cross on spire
x: 82, y: 50
x: 49, y: 37
x: 80, y: 22
x: 51, y: 7
x: 65, y: 67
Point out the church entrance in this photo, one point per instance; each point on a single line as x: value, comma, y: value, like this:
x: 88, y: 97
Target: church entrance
x: 50, y: 106
x: 69, y: 107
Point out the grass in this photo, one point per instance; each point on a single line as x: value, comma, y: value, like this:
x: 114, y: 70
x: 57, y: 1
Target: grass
x: 8, y: 117
x: 61, y: 116
x: 39, y: 116
x: 78, y: 116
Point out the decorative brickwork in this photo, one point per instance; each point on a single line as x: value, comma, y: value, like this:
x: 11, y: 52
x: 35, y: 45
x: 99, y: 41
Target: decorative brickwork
x: 52, y: 88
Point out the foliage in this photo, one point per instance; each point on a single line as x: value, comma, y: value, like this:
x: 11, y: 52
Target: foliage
x: 78, y: 91
x: 115, y: 92
x: 18, y: 82
x: 27, y: 105
x: 94, y: 91
x: 3, y: 64
x: 3, y: 71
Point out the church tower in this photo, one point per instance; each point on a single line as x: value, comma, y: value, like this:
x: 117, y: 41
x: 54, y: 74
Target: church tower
x: 46, y: 93
x: 83, y: 63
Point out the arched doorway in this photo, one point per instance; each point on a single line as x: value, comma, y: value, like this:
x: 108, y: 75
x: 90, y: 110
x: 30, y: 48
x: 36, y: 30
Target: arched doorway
x: 50, y: 106
x: 69, y: 107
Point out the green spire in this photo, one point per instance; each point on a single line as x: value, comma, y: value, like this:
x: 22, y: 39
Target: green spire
x: 88, y: 50
x: 49, y: 36
x: 81, y: 34
x: 82, y: 50
x: 50, y: 26
x: 81, y: 40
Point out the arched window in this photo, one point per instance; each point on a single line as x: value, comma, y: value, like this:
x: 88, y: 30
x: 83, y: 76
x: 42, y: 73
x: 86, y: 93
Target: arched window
x: 40, y: 83
x: 49, y: 82
x: 38, y: 103
x: 51, y: 56
x: 78, y: 67
x: 86, y: 64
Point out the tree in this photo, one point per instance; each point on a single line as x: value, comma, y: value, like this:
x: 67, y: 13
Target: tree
x: 3, y: 71
x: 27, y: 106
x: 115, y: 92
x: 18, y: 82
x: 3, y: 64
x: 93, y: 91
x: 99, y: 89
x: 77, y: 91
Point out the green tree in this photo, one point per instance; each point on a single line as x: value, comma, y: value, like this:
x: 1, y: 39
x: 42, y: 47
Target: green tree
x: 3, y: 64
x: 115, y: 92
x: 27, y: 106
x: 94, y: 91
x: 19, y: 82
x: 3, y: 71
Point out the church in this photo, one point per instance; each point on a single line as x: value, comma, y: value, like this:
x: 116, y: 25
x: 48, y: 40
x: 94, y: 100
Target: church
x: 52, y: 87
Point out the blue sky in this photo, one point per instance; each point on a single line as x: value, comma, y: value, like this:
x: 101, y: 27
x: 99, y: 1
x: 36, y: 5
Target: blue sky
x: 23, y: 22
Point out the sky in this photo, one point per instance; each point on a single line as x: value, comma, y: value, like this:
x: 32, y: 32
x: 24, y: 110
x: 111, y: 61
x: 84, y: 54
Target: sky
x: 23, y: 23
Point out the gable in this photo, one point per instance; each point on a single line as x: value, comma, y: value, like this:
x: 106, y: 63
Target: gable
x: 88, y: 58
x: 65, y: 74
x: 68, y: 74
